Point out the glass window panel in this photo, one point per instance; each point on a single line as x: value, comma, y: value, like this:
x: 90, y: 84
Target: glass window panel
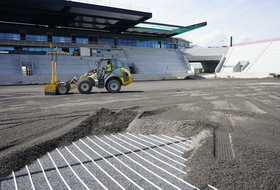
x: 61, y: 39
x: 84, y: 41
x: 106, y: 41
x: 29, y: 37
x: 121, y: 42
x: 71, y: 50
x: 133, y: 42
x: 111, y: 41
x: 16, y: 36
x: 44, y: 38
x: 8, y: 36
x: 36, y: 38
x: 79, y: 40
x: 55, y: 39
x: 68, y: 39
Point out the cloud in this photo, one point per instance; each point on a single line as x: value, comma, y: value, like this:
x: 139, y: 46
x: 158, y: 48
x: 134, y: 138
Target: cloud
x: 215, y: 39
x: 243, y: 38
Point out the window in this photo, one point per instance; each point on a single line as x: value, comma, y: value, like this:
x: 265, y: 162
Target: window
x: 106, y: 41
x: 61, y: 39
x: 9, y: 36
x: 38, y: 38
x: 2, y: 35
x: 127, y: 42
x: 16, y: 37
x: 6, y: 48
x: 38, y: 49
x: 119, y: 63
x: 68, y: 40
x: 26, y: 70
x: 82, y: 40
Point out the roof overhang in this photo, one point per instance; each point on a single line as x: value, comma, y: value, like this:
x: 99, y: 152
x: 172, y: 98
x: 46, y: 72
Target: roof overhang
x: 164, y: 29
x: 70, y: 14
x: 82, y: 16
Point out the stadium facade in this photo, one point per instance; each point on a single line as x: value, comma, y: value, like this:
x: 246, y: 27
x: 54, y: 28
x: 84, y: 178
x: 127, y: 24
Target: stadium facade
x: 82, y: 24
x: 86, y: 32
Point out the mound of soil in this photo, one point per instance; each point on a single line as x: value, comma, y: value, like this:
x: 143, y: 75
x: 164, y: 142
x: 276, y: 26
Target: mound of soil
x: 102, y: 122
x: 184, y: 128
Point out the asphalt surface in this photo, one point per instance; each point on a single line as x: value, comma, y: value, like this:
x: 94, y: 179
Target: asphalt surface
x: 234, y: 124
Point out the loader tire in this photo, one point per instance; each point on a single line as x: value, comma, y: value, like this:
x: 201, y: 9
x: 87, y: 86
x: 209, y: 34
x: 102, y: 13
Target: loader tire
x: 91, y: 81
x: 85, y: 87
x: 113, y: 86
x: 62, y: 89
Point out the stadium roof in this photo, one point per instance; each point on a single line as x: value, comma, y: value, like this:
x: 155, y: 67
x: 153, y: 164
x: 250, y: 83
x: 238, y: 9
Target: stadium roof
x: 164, y: 29
x: 76, y: 15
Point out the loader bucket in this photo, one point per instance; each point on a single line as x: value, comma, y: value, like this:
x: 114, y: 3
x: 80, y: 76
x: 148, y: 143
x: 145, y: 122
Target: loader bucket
x: 50, y: 89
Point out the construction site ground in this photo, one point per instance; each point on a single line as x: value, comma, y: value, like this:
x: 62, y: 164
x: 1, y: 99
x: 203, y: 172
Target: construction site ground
x: 234, y: 123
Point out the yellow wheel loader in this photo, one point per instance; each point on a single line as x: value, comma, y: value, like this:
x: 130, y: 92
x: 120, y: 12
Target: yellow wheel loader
x: 112, y: 79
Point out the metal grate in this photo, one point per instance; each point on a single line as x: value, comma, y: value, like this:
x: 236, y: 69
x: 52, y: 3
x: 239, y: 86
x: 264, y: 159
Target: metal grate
x: 122, y: 161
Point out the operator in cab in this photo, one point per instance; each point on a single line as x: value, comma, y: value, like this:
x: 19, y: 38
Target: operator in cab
x: 107, y: 69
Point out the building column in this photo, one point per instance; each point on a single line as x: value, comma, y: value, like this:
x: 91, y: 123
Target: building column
x: 22, y: 34
x: 74, y: 38
x: 159, y: 43
x: 50, y: 37
x: 116, y: 41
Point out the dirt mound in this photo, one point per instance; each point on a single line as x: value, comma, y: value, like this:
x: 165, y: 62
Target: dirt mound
x: 148, y: 113
x: 102, y: 122
x: 185, y: 128
x: 147, y: 122
x: 106, y: 122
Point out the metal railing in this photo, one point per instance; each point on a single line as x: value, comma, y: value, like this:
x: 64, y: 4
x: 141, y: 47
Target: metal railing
x: 46, y: 44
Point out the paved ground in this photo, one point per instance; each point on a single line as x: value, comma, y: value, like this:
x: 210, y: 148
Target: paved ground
x: 234, y: 124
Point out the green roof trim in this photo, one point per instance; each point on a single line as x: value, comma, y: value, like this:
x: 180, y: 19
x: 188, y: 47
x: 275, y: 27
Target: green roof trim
x: 166, y: 28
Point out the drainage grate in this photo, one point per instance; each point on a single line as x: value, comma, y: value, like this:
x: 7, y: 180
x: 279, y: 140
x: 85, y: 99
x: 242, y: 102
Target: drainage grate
x: 122, y: 161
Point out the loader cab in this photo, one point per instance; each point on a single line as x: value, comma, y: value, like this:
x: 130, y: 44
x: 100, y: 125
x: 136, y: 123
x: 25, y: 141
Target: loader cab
x: 116, y: 67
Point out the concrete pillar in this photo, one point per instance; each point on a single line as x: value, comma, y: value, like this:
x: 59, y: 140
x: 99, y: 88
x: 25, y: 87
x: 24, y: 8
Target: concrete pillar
x: 116, y: 41
x: 22, y: 34
x: 74, y: 38
x: 49, y: 37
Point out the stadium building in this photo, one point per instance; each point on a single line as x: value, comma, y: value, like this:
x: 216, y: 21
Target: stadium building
x: 84, y: 33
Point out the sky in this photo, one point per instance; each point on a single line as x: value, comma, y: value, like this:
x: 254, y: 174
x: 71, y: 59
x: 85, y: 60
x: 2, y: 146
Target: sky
x: 244, y: 20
